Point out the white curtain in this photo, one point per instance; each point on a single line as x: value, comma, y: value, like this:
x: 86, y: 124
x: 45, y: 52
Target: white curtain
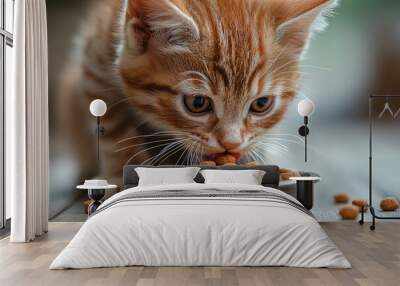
x: 27, y: 144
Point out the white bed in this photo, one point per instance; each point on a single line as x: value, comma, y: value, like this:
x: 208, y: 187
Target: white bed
x: 267, y: 229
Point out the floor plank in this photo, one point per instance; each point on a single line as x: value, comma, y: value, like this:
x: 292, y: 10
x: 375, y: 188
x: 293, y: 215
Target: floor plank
x: 375, y: 257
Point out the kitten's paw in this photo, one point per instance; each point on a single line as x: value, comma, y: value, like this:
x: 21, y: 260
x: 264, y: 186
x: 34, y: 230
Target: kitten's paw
x: 285, y: 174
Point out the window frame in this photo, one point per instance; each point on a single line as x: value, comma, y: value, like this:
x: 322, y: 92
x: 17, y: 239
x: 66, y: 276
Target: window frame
x: 6, y: 39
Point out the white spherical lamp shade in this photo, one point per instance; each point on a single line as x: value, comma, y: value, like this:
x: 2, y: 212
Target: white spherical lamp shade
x: 98, y: 108
x: 306, y: 107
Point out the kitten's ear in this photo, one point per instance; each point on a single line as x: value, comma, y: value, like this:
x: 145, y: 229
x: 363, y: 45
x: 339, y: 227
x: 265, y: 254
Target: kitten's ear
x: 161, y: 25
x: 297, y: 20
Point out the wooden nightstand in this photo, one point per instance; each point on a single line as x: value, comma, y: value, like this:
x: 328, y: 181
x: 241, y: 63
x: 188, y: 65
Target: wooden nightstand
x: 305, y: 190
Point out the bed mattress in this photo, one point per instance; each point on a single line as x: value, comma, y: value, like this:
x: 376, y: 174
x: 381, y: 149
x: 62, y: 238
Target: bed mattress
x: 201, y: 225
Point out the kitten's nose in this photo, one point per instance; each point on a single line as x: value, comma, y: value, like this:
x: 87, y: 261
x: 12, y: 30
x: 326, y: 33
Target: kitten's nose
x: 229, y: 146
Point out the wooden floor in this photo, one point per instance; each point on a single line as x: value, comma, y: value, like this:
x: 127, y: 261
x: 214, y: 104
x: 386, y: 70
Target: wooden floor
x: 375, y: 257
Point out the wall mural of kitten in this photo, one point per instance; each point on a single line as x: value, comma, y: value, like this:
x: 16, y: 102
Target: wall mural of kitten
x: 185, y: 80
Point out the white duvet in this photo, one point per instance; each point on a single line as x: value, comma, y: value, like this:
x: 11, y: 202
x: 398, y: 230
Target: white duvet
x: 200, y: 232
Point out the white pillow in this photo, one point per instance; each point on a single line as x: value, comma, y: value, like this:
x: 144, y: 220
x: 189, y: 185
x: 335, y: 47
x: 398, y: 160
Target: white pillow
x: 243, y: 177
x: 166, y: 176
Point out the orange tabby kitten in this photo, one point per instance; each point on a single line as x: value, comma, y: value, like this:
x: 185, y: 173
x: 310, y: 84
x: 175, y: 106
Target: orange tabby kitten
x: 185, y: 79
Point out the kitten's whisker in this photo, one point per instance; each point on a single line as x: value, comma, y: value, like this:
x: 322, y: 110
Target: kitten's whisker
x: 316, y: 67
x: 272, y: 153
x: 258, y: 156
x: 144, y: 144
x: 157, y: 134
x: 120, y: 101
x: 272, y: 65
x: 184, y: 151
x: 278, y: 148
x: 165, y: 151
x: 284, y: 135
x: 264, y: 152
x: 141, y: 123
x: 288, y: 62
x: 192, y: 153
x: 281, y: 67
x: 189, y: 155
x: 152, y: 158
x: 278, y: 77
x: 283, y: 140
x: 246, y: 158
x: 113, y: 105
x: 143, y: 151
x: 195, y: 155
x: 276, y: 144
x: 175, y: 150
x: 197, y: 152
x: 283, y: 146
x: 298, y: 141
x: 272, y: 146
x: 201, y: 153
x: 295, y: 70
x: 250, y: 156
x: 137, y: 137
x: 272, y: 139
x: 157, y: 160
x: 189, y: 159
x: 263, y: 148
x: 289, y: 86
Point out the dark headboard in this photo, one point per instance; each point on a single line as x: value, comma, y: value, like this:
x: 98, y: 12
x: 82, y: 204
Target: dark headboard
x: 271, y: 178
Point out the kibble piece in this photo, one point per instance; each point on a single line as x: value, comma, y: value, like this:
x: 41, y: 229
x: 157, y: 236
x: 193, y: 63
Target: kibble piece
x: 349, y: 212
x: 251, y: 164
x: 342, y: 198
x: 86, y: 205
x: 286, y: 174
x: 225, y: 159
x: 389, y: 204
x: 361, y: 204
x: 208, y: 163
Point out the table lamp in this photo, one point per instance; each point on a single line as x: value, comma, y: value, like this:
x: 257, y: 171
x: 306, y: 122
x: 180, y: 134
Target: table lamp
x: 305, y: 108
x: 98, y: 109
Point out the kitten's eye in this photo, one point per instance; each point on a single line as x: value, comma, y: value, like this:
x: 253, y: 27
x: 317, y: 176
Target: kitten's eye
x: 262, y: 105
x: 197, y: 104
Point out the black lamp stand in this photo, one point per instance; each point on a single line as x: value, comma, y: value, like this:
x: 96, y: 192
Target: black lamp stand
x: 100, y: 131
x: 96, y: 195
x: 305, y: 131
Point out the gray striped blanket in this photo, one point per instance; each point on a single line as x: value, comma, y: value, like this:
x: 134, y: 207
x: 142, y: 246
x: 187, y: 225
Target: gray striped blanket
x: 205, y: 194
